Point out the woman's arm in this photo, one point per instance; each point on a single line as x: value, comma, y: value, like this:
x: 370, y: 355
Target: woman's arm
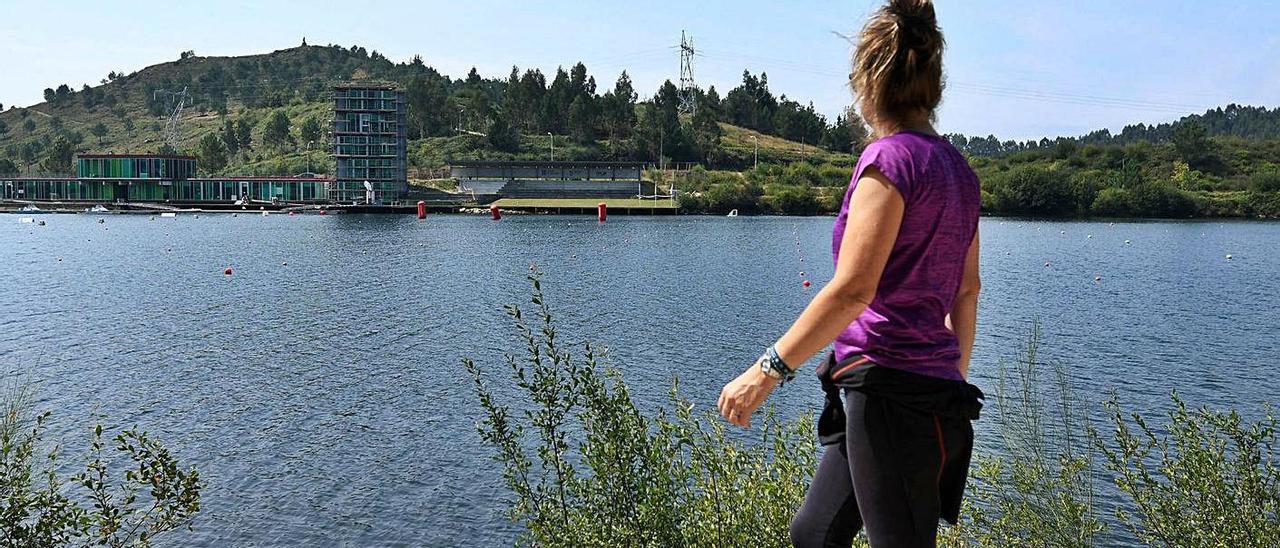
x: 875, y: 214
x: 963, y: 319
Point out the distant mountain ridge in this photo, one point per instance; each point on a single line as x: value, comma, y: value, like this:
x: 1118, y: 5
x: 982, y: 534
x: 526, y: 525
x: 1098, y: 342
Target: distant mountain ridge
x: 1238, y: 121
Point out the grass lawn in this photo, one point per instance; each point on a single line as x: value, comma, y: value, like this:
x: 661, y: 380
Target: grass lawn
x: 586, y: 202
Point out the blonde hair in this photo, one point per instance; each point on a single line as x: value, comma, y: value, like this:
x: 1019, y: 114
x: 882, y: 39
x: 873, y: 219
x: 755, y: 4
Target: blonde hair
x: 897, y: 65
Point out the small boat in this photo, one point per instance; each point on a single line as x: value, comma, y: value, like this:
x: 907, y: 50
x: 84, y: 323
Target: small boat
x: 97, y: 209
x: 31, y: 208
x: 732, y: 213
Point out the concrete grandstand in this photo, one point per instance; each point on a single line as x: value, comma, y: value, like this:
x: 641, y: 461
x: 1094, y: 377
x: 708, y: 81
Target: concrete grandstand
x: 532, y: 179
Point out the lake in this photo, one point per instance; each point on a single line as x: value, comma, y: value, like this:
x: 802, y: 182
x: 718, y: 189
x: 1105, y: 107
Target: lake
x: 318, y: 388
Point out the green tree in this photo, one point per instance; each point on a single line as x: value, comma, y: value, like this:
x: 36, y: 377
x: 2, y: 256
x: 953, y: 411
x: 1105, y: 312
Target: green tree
x: 312, y: 131
x: 658, y: 134
x: 619, y: 112
x: 7, y: 167
x: 244, y: 134
x: 1191, y: 142
x: 277, y: 133
x: 4, y: 128
x: 582, y: 119
x: 502, y: 135
x: 559, y: 98
x: 428, y: 106
x: 1034, y: 190
x: 30, y: 152
x: 99, y: 130
x: 706, y: 131
x: 61, y: 94
x: 751, y: 104
x: 29, y: 125
x: 212, y: 153
x: 58, y: 158
x: 532, y: 97
x: 229, y: 138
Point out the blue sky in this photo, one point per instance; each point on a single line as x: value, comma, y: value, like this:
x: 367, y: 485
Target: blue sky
x: 1015, y: 69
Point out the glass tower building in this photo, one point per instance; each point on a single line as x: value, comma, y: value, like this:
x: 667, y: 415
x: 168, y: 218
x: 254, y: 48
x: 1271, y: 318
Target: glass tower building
x: 369, y: 144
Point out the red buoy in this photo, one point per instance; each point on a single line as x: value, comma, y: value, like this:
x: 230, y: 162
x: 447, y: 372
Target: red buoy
x: 227, y: 271
x: 493, y: 210
x: 602, y: 211
x: 422, y: 209
x: 807, y: 284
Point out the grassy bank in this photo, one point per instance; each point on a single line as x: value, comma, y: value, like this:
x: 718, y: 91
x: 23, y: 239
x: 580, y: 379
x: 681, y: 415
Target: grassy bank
x: 552, y: 203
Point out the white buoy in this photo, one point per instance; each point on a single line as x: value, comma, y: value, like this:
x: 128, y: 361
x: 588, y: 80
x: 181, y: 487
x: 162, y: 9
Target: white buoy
x: 1229, y: 257
x: 1126, y: 242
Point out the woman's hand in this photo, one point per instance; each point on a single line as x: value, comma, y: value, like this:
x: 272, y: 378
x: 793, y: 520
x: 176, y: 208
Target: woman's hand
x: 742, y: 396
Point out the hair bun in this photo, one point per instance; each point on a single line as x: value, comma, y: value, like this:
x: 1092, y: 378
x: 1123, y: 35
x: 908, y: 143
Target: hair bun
x: 914, y: 12
x: 917, y: 24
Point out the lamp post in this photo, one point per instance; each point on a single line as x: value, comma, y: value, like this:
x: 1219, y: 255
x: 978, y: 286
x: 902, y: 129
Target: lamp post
x: 309, y: 143
x: 756, y: 163
x: 553, y: 145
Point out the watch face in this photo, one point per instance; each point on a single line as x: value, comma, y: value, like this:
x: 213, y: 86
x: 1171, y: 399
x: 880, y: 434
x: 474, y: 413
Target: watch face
x: 763, y: 364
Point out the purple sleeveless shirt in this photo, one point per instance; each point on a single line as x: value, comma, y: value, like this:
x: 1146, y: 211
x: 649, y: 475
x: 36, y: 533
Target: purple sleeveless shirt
x: 904, y: 327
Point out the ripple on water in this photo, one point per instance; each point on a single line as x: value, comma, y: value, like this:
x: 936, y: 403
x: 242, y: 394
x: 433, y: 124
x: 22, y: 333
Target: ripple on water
x: 324, y: 403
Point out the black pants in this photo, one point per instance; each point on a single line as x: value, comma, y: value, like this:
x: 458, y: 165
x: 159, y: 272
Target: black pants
x: 884, y: 476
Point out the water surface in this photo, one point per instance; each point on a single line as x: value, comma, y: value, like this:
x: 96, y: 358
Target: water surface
x: 318, y: 387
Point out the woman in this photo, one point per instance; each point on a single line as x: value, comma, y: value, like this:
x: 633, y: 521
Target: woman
x: 901, y: 310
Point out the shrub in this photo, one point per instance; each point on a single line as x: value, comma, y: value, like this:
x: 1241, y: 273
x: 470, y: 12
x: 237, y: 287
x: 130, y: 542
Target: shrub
x: 587, y: 468
x: 1267, y: 180
x: 1111, y: 202
x: 738, y: 195
x: 791, y: 200
x: 39, y: 507
x: 832, y: 175
x: 1033, y: 190
x: 1154, y: 199
x: 1205, y: 478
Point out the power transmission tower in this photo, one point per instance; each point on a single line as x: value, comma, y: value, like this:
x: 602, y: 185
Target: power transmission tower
x: 688, y: 90
x: 177, y: 100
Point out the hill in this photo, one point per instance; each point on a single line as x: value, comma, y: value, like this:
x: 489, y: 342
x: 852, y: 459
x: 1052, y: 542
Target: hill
x: 235, y: 100
x: 268, y: 114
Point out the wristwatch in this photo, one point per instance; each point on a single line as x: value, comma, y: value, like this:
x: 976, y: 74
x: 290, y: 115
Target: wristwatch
x: 772, y: 366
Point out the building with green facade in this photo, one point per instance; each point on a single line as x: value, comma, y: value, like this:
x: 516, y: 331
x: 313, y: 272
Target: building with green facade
x: 369, y: 144
x: 159, y: 178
